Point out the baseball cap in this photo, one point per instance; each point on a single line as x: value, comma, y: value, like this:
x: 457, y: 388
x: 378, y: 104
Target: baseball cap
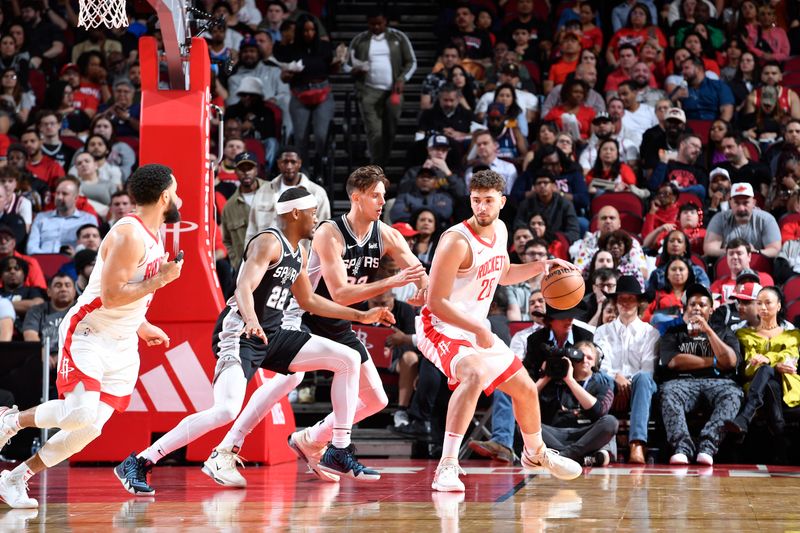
x: 7, y: 230
x: 405, y: 229
x: 68, y: 66
x: 438, y: 141
x: 510, y: 69
x: 676, y: 113
x: 246, y: 157
x: 496, y: 110
x: 746, y: 291
x: 570, y: 35
x: 251, y: 85
x: 719, y: 171
x: 742, y: 189
x: 248, y: 40
x: 602, y: 116
x: 694, y: 289
x: 748, y: 274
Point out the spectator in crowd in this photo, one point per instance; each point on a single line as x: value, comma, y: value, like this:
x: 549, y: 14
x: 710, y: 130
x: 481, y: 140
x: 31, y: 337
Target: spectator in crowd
x: 477, y: 42
x: 486, y: 156
x: 450, y: 57
x: 602, y: 282
x: 276, y: 12
x: 573, y: 115
x: 609, y: 173
x: 646, y: 91
x: 620, y: 15
x: 425, y: 196
x: 54, y: 229
x: 742, y: 311
x: 519, y: 237
x: 719, y: 193
x: 446, y: 116
x: 312, y: 100
x: 745, y: 221
x: 628, y: 57
x: 586, y: 73
x: 638, y: 117
x: 43, y: 167
x: 383, y: 61
x: 100, y: 149
x: 767, y: 41
x: 738, y: 253
x: 425, y: 233
x: 121, y: 154
x: 629, y: 348
x: 121, y: 205
x: 8, y: 248
x: 252, y: 63
x: 226, y: 171
x: 608, y: 221
x: 13, y: 272
x: 42, y: 320
x: 49, y: 126
x: 603, y: 130
x: 527, y: 102
x: 664, y: 136
x: 93, y: 187
x: 262, y: 212
x: 699, y: 362
x: 547, y: 200
x: 675, y: 244
x: 704, y: 98
x: 258, y: 119
x: 554, y: 246
x: 11, y: 220
x: 44, y: 41
x: 440, y: 159
x: 123, y: 112
x: 570, y: 49
x: 559, y: 331
x: 16, y: 202
x: 620, y: 244
x: 785, y: 99
x: 575, y: 419
x: 236, y: 213
x: 682, y: 168
x: 739, y: 166
x: 770, y: 351
x: 668, y: 303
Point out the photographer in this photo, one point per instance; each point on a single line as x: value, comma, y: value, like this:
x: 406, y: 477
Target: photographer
x: 575, y: 400
x: 558, y: 331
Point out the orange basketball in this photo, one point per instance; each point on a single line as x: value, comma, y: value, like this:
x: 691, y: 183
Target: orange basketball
x: 563, y: 288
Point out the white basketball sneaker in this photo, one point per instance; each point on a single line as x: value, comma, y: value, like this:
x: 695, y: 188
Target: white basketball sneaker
x: 8, y: 428
x: 311, y: 452
x: 14, y: 491
x: 446, y: 478
x: 558, y: 465
x: 221, y: 467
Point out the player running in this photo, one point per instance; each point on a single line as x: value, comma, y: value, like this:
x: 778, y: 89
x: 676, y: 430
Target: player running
x: 343, y: 266
x: 98, y: 356
x: 249, y: 335
x: 470, y: 261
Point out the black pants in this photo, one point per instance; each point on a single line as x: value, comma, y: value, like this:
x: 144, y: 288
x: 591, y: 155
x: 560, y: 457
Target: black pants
x: 578, y: 442
x: 766, y: 390
x: 430, y: 379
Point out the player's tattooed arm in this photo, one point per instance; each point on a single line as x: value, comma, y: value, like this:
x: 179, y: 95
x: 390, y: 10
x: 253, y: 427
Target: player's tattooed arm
x: 262, y: 251
x: 327, y: 245
x: 122, y: 252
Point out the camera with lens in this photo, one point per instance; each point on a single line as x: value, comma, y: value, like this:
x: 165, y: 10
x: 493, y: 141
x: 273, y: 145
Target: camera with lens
x: 556, y: 366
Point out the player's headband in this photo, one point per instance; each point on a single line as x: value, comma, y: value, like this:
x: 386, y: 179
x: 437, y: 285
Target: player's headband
x: 304, y: 202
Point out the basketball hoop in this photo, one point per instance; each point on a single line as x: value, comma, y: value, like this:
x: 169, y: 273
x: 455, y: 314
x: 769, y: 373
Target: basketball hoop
x: 109, y: 13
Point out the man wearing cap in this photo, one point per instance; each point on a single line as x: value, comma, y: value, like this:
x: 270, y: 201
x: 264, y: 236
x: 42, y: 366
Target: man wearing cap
x: 587, y: 73
x: 681, y: 168
x: 739, y: 166
x: 8, y: 244
x: 783, y: 97
x: 251, y: 64
x: 258, y: 120
x: 437, y: 160
x: 560, y: 330
x: 570, y: 47
x: 698, y: 362
x: 424, y: 196
x: 406, y: 231
x: 738, y: 252
x: 603, y: 129
x: 236, y: 212
x: 527, y: 101
x: 745, y: 221
x: 512, y: 141
x: 742, y: 312
x: 86, y: 102
x: 629, y: 349
x: 704, y: 98
x: 719, y: 193
x: 262, y: 212
x: 383, y: 61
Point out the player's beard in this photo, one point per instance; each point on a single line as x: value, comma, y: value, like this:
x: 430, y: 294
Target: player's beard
x: 486, y: 222
x: 172, y: 215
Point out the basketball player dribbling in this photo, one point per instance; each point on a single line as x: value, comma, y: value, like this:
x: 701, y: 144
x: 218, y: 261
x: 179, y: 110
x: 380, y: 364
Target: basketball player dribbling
x: 250, y: 335
x: 470, y: 261
x: 343, y: 266
x: 98, y: 359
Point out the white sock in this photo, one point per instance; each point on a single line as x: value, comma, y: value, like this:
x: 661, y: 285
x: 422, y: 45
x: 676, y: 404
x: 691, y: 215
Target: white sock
x: 341, y: 437
x: 22, y: 470
x: 451, y: 446
x: 533, y: 442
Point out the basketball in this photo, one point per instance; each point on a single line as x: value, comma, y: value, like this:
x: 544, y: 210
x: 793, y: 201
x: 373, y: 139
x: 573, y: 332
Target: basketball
x: 563, y: 288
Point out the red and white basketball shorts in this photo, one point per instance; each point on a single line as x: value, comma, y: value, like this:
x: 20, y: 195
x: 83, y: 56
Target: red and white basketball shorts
x: 101, y: 362
x: 445, y: 345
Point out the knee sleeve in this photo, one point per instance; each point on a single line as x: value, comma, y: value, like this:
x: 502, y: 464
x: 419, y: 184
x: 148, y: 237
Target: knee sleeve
x: 67, y: 443
x: 78, y: 418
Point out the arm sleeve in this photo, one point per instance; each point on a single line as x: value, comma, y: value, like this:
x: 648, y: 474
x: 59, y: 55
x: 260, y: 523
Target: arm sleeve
x: 771, y: 232
x: 602, y: 390
x: 34, y: 245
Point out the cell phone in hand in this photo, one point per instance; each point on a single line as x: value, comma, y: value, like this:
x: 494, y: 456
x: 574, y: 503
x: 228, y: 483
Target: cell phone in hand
x: 179, y: 257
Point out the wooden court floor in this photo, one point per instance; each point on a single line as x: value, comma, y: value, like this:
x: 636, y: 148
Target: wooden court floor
x: 285, y: 498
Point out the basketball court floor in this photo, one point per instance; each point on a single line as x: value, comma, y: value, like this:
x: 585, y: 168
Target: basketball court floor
x: 498, y: 499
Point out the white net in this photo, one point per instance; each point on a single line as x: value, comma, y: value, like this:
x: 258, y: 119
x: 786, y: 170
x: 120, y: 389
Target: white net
x: 109, y: 13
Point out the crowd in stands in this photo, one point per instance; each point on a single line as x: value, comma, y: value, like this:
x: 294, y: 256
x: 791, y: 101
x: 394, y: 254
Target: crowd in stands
x: 653, y: 143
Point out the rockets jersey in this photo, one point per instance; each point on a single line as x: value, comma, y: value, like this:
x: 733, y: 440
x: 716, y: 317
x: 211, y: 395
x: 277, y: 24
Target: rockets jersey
x: 274, y: 292
x: 119, y: 322
x: 474, y: 287
x: 361, y: 259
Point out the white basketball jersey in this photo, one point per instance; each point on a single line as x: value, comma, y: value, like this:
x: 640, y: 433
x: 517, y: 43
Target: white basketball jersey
x: 123, y: 321
x: 474, y: 288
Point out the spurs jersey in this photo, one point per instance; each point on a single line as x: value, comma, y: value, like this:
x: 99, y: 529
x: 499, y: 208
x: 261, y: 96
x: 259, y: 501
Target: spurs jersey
x: 274, y: 292
x: 474, y: 288
x: 123, y: 321
x: 361, y: 259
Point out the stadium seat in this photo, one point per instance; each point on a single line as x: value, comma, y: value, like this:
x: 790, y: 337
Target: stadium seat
x: 700, y: 128
x: 630, y: 222
x: 72, y: 142
x: 788, y: 218
x: 791, y: 289
x: 687, y: 197
x: 623, y: 201
x: 792, y: 65
x: 793, y: 311
x: 133, y: 142
x: 758, y: 262
x: 51, y: 263
x: 697, y: 260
